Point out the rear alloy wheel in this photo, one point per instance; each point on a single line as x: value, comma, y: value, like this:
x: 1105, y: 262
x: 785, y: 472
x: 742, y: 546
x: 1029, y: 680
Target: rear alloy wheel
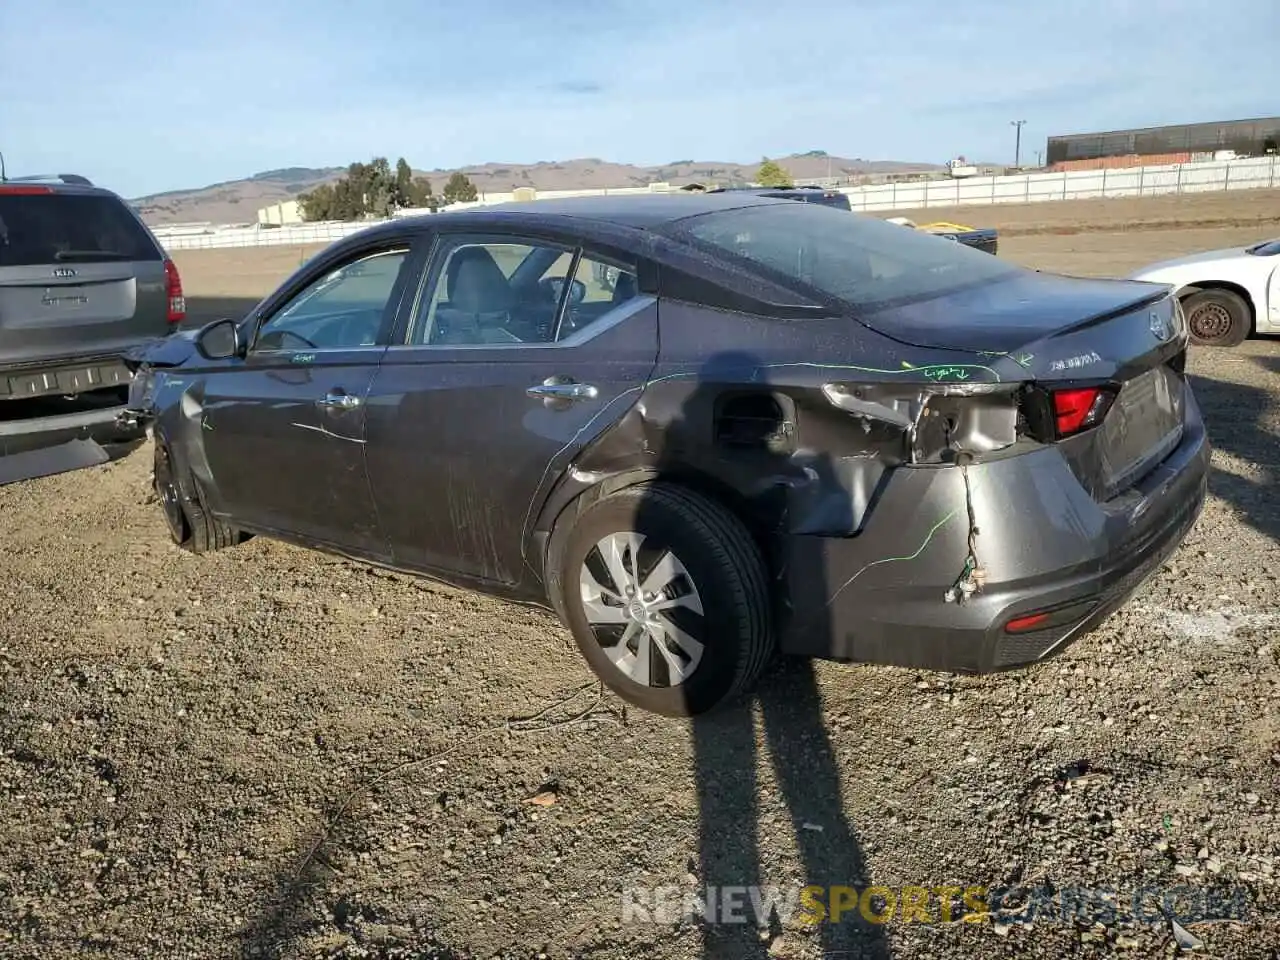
x: 665, y: 593
x: 1217, y: 318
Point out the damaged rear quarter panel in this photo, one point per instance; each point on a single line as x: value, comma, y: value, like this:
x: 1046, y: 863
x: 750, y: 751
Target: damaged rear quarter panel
x: 737, y: 408
x: 737, y: 405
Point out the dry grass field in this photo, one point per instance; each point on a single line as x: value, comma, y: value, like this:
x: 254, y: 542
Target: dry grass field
x: 271, y: 753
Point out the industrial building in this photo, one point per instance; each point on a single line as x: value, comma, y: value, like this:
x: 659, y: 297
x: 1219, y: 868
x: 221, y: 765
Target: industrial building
x: 1181, y: 143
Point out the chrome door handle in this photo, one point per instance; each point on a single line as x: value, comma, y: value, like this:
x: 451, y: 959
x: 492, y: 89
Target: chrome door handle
x: 563, y: 391
x: 342, y: 401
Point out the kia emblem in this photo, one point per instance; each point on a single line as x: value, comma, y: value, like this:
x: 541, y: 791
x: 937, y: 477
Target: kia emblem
x: 63, y: 272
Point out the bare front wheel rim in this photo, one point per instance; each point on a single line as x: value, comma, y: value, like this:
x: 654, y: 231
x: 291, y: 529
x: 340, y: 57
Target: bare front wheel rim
x: 643, y: 609
x: 167, y: 492
x: 1210, y: 321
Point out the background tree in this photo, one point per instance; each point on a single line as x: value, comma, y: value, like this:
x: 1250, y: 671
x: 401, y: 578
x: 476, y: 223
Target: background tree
x: 404, y: 183
x: 459, y: 189
x: 368, y: 190
x: 317, y: 204
x: 772, y: 174
x: 412, y: 192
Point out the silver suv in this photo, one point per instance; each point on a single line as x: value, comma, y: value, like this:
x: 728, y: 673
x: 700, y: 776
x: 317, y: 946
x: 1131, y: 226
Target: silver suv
x: 82, y: 281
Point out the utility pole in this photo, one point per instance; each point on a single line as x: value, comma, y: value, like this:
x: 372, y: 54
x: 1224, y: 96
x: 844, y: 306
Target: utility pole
x: 1017, y: 143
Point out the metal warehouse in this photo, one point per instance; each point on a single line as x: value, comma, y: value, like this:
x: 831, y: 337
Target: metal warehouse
x: 1180, y: 143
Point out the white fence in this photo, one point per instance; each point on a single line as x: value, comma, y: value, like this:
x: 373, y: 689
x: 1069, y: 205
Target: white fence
x: 302, y: 234
x: 1252, y: 173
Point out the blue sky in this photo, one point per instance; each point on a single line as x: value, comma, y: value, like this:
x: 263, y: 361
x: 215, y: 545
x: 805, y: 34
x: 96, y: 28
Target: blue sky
x: 148, y: 95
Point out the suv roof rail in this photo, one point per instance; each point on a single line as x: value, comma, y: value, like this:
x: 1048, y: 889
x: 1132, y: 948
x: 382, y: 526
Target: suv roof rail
x: 64, y: 177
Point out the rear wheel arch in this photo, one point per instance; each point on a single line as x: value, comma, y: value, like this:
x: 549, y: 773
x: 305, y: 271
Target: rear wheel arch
x: 558, y: 525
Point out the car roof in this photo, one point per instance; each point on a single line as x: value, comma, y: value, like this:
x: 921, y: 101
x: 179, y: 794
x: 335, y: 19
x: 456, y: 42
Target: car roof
x: 639, y: 211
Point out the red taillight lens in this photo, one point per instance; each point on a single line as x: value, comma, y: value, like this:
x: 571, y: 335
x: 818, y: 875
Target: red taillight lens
x: 1079, y: 409
x: 12, y: 191
x: 173, y: 286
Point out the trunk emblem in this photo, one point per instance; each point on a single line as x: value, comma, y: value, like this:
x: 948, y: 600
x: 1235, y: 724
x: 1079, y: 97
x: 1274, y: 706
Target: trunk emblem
x: 1161, y: 326
x: 63, y: 272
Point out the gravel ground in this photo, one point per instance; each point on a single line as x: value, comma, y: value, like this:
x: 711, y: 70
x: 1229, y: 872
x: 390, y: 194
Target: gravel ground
x: 275, y: 753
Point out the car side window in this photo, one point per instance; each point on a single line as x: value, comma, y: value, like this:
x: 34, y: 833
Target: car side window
x: 343, y: 309
x: 600, y: 288
x: 504, y: 292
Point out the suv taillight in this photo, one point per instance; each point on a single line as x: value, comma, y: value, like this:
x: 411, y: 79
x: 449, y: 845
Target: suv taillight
x: 177, y: 311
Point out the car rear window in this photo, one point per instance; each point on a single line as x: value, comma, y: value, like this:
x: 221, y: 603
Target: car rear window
x: 861, y: 260
x: 69, y: 228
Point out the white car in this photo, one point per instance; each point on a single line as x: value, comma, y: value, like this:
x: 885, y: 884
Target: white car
x: 1226, y: 294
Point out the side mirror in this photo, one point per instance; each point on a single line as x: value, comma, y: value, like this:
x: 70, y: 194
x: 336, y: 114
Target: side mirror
x: 220, y: 340
x: 577, y: 291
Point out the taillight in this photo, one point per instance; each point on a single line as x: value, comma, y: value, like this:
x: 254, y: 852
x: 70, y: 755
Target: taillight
x: 177, y: 311
x: 1080, y: 408
x: 24, y: 191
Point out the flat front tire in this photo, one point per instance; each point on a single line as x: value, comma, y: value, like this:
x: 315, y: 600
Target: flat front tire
x: 190, y: 525
x: 1217, y: 318
x: 169, y: 496
x: 665, y: 593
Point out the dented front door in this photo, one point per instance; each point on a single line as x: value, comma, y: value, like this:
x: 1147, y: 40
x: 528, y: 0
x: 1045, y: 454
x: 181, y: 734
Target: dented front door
x: 283, y: 435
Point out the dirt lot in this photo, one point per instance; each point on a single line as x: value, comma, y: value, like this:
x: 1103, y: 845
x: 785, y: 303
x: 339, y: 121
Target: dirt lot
x: 179, y: 736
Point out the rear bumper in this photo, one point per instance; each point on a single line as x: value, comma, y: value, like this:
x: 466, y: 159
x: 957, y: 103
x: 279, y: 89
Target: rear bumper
x: 1044, y: 542
x: 19, y: 361
x: 41, y: 446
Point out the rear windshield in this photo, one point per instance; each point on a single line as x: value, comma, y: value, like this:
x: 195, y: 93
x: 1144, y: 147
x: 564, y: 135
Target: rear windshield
x: 861, y: 260
x: 69, y: 228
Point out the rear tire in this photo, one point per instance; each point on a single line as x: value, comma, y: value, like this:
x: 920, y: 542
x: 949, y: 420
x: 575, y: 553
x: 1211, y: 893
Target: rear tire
x: 681, y: 559
x: 1217, y: 318
x: 190, y: 524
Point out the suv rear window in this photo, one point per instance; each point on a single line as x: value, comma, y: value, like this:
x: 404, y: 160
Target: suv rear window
x: 69, y: 228
x: 861, y: 260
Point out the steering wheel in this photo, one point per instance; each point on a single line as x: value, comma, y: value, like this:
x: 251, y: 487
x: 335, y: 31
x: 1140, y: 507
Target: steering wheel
x: 352, y: 329
x: 281, y: 335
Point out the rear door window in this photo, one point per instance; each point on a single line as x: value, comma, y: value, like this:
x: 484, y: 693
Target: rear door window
x: 49, y: 228
x: 862, y: 261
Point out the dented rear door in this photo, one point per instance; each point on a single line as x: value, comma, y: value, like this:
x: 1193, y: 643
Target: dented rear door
x: 463, y: 448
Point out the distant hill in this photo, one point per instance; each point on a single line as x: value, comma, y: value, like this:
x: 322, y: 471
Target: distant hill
x: 238, y: 201
x: 232, y: 201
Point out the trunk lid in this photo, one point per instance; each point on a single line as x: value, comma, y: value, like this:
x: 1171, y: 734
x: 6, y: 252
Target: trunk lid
x: 1010, y: 313
x: 79, y: 277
